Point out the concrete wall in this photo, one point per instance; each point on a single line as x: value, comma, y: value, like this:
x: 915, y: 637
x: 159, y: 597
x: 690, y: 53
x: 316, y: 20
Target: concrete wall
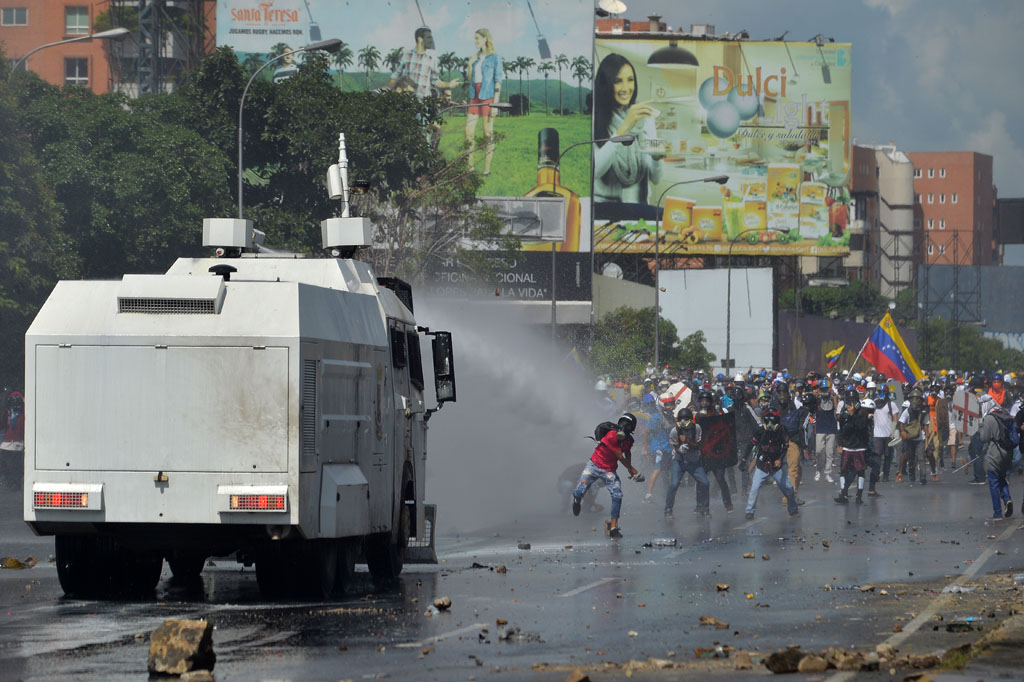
x: 804, y: 340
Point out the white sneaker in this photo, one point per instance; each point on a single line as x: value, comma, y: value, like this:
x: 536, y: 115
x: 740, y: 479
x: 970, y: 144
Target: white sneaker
x: 817, y: 475
x: 648, y: 497
x: 830, y: 479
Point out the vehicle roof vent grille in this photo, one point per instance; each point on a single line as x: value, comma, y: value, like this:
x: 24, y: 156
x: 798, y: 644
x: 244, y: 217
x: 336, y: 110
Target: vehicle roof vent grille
x: 166, y: 306
x: 171, y: 294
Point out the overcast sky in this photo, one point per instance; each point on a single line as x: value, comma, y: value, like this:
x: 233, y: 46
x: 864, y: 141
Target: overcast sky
x: 929, y: 75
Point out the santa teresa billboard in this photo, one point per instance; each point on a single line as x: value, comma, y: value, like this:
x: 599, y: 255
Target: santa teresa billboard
x: 740, y: 145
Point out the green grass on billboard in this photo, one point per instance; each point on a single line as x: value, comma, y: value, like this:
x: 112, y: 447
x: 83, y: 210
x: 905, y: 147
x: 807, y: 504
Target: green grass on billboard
x: 514, y: 169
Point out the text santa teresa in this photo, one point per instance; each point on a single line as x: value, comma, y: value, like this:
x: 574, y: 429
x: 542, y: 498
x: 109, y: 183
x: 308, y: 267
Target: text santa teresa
x: 265, y: 14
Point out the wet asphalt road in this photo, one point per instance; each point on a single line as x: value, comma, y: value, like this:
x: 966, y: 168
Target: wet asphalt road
x: 577, y: 597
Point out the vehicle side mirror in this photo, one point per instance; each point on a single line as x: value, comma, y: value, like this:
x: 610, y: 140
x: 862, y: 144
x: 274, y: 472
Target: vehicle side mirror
x: 444, y: 367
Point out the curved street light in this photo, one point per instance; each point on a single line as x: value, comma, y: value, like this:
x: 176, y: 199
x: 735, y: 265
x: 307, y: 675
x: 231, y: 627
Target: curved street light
x: 332, y: 45
x: 728, y: 286
x: 721, y: 180
x: 112, y: 34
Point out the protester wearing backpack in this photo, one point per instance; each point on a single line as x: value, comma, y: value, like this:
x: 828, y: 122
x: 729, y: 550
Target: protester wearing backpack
x: 614, y: 445
x: 997, y: 433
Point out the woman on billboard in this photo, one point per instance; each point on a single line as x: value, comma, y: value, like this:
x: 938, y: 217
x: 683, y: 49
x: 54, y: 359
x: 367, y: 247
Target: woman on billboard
x: 622, y: 172
x: 485, y: 69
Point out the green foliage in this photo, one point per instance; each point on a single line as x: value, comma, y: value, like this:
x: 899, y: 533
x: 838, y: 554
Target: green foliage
x: 859, y: 298
x: 32, y: 250
x: 943, y: 346
x: 624, y: 343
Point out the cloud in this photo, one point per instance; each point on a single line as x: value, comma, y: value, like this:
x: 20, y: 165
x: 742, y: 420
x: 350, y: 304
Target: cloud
x: 992, y: 137
x: 893, y: 7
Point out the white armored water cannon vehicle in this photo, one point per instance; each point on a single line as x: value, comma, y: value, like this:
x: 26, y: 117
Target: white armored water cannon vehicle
x: 263, y: 406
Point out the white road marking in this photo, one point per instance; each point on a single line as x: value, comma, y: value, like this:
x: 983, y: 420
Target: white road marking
x: 602, y: 581
x: 929, y: 611
x: 438, y: 638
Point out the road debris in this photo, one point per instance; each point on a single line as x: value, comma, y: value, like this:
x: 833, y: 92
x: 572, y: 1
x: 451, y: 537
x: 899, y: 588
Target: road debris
x: 748, y: 555
x: 523, y: 545
x: 442, y: 603
x: 722, y: 587
x: 180, y: 646
x: 711, y: 620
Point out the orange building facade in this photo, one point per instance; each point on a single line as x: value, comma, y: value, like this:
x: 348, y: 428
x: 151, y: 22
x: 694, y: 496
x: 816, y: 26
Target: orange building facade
x: 28, y: 24
x: 954, y: 201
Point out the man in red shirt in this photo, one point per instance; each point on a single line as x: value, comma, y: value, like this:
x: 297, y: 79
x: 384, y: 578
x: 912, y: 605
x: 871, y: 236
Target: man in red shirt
x: 614, y: 447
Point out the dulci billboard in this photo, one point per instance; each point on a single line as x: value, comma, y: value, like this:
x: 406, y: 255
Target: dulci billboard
x: 532, y: 55
x: 740, y: 146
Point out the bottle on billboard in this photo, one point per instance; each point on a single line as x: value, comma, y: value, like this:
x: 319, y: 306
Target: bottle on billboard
x: 549, y: 184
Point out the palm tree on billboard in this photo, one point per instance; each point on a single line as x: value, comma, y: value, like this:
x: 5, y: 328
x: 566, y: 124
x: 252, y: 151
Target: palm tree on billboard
x: 369, y: 58
x: 546, y: 68
x: 393, y: 59
x: 343, y: 58
x: 528, y: 63
x: 581, y: 71
x: 560, y: 62
x: 253, y: 61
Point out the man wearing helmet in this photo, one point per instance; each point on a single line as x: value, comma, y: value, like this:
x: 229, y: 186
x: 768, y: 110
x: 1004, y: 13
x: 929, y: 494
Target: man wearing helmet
x: 707, y: 408
x: 826, y: 427
x: 685, y: 440
x: 770, y: 442
x: 796, y: 417
x: 854, y: 441
x: 748, y: 419
x: 913, y: 430
x: 614, y: 447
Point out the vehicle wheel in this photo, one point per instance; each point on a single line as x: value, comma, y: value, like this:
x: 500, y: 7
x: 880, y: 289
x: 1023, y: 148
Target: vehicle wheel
x: 271, y: 576
x: 346, y: 569
x: 385, y: 555
x: 186, y: 567
x: 317, y: 575
x: 141, y: 572
x: 75, y: 564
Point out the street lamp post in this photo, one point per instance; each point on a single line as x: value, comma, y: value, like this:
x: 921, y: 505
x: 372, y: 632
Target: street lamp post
x: 728, y: 287
x: 332, y: 45
x: 721, y: 180
x: 112, y: 34
x: 619, y: 139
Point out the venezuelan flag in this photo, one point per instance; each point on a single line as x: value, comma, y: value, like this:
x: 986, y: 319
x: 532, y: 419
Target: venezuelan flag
x: 887, y: 352
x: 832, y: 357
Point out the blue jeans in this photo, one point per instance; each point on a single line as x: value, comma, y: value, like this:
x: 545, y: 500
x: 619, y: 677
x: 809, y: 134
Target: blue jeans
x: 781, y: 479
x: 693, y: 467
x: 610, y: 479
x: 1000, y: 491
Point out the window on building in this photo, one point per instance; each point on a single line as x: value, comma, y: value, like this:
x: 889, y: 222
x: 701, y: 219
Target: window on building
x: 917, y: 198
x: 14, y: 16
x: 76, y: 20
x: 76, y: 71
x: 917, y: 172
x: 942, y: 172
x: 942, y: 223
x: 953, y: 198
x: 942, y: 198
x: 917, y: 223
x: 931, y: 198
x: 942, y: 249
x: 931, y: 249
x: 931, y: 172
x: 931, y: 223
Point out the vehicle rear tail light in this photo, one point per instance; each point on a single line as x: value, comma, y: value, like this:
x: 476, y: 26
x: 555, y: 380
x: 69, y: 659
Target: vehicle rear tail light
x: 49, y: 500
x: 251, y: 502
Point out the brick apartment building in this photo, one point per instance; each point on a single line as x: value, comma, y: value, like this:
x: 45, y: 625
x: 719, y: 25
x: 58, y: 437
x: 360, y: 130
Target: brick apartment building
x: 28, y: 24
x: 107, y: 65
x: 954, y: 201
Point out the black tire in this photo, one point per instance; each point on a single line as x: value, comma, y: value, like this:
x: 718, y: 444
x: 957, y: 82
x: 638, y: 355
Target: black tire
x: 347, y: 552
x: 385, y: 552
x: 75, y: 564
x: 140, y: 573
x: 317, y: 574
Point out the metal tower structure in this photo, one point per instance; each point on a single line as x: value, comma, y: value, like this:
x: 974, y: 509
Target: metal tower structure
x: 957, y: 296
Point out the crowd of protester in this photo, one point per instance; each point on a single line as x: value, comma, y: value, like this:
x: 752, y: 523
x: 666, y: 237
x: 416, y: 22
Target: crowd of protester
x: 850, y: 431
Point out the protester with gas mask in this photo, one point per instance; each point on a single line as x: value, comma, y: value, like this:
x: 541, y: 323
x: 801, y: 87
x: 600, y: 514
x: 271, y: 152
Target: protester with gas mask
x: 913, y: 425
x: 685, y: 439
x: 996, y: 437
x: 614, y: 446
x: 770, y: 445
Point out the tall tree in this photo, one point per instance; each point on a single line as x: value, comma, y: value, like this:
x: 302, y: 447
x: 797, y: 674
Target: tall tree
x: 343, y: 58
x: 528, y: 63
x: 446, y: 62
x: 581, y: 71
x: 369, y: 57
x: 394, y: 58
x: 546, y: 68
x: 560, y: 61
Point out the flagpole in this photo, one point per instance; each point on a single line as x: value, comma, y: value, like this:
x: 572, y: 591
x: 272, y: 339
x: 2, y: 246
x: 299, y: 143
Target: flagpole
x: 892, y: 306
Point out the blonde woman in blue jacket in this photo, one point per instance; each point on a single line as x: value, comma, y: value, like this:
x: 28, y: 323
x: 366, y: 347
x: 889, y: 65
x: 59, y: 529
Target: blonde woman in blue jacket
x: 485, y: 71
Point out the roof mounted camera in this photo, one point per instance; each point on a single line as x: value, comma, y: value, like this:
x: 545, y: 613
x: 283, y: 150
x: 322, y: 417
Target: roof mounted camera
x: 343, y: 235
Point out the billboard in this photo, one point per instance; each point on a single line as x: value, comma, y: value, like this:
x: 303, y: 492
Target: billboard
x: 534, y: 55
x: 771, y: 120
